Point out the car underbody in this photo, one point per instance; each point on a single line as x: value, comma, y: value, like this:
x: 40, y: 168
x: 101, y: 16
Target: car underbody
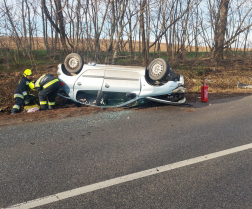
x: 118, y: 86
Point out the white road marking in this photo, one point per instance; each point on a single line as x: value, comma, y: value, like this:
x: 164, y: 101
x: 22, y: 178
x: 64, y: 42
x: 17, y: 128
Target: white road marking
x: 123, y: 179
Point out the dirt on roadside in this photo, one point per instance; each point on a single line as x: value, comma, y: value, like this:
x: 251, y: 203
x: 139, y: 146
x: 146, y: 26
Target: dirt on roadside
x: 222, y: 78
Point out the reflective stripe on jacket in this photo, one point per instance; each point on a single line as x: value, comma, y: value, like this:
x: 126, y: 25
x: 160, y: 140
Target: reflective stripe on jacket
x: 22, y: 87
x: 50, y: 83
x: 45, y: 81
x: 16, y: 107
x: 37, y: 83
x: 19, y: 95
x: 43, y: 102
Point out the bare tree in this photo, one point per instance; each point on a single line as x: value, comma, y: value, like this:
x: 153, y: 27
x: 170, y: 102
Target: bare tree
x: 184, y: 31
x: 118, y: 25
x: 112, y: 32
x: 24, y: 26
x: 245, y: 41
x: 220, y: 29
x: 122, y: 9
x: 61, y: 28
x: 19, y: 42
x: 44, y: 25
x: 219, y: 23
x: 98, y: 28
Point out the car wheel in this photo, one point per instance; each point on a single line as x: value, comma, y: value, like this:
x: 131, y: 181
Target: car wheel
x: 74, y: 63
x: 158, y: 69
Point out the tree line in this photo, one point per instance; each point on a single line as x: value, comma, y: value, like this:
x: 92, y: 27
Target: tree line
x: 90, y: 27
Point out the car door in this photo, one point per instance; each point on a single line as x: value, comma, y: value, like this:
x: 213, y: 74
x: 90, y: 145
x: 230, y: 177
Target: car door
x: 121, y: 81
x: 90, y: 80
x: 88, y: 85
x: 119, y: 88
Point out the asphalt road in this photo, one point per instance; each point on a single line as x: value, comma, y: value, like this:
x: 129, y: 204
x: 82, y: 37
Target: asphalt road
x: 74, y: 156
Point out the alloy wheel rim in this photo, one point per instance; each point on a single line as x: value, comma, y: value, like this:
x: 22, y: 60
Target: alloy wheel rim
x: 157, y: 69
x: 73, y: 62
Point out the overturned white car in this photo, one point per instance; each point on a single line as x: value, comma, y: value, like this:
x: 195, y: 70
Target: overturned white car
x: 117, y: 86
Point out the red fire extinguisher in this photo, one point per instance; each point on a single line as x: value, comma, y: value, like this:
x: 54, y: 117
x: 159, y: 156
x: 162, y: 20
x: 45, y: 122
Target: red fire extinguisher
x: 204, y: 92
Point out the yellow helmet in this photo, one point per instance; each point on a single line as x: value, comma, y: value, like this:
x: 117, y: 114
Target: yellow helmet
x: 27, y: 72
x: 32, y: 85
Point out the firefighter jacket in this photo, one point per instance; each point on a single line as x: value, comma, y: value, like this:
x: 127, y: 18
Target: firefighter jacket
x: 22, y: 88
x: 45, y: 81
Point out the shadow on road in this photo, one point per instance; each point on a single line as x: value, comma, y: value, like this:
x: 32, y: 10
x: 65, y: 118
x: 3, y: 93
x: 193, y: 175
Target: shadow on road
x: 195, y: 101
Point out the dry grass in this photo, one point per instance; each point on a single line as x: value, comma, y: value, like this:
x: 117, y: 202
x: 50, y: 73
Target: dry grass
x: 223, y: 77
x: 224, y: 74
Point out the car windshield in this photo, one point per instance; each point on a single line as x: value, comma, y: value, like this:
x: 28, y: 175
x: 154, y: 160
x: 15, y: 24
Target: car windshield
x: 107, y: 99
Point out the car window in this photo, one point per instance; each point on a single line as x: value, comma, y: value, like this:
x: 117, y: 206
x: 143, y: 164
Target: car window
x: 87, y: 97
x: 100, y: 98
x: 114, y: 98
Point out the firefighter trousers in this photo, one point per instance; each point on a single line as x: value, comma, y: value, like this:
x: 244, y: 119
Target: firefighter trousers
x: 19, y: 102
x: 50, y: 92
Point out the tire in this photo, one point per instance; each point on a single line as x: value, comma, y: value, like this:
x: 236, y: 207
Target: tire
x: 73, y: 63
x: 158, y: 69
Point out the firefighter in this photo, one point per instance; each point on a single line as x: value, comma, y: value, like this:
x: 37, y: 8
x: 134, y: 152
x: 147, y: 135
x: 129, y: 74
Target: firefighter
x: 48, y: 86
x: 21, y: 93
